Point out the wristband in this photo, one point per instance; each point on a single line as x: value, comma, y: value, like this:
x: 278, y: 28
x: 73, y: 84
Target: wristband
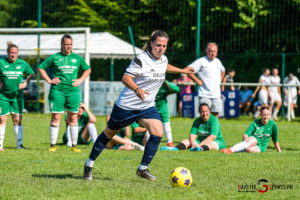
x: 136, y: 89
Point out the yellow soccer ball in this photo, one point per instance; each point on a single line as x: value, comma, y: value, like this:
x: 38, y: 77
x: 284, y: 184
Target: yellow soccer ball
x: 181, y: 177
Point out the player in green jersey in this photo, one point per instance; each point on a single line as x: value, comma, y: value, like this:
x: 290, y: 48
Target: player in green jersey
x: 64, y: 92
x: 12, y: 70
x: 205, y: 133
x: 161, y: 104
x: 87, y: 131
x: 257, y: 136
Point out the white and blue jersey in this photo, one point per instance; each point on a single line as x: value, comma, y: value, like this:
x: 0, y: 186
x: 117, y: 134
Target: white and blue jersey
x: 148, y: 74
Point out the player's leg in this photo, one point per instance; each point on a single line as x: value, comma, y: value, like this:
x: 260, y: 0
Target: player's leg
x: 56, y: 104
x: 253, y: 149
x: 154, y: 126
x: 16, y: 114
x: 216, y: 106
x: 242, y: 146
x: 247, y: 107
x: 72, y: 102
x: 4, y: 111
x: 92, y: 131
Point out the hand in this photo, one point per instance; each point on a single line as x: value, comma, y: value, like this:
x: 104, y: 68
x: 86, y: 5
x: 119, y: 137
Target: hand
x: 1, y: 85
x: 141, y: 93
x: 77, y: 82
x: 83, y: 106
x: 55, y: 81
x: 188, y: 70
x: 22, y: 85
x: 246, y: 139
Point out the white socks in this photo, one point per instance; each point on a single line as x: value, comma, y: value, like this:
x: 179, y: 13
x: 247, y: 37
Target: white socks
x: 167, y: 131
x: 92, y: 131
x: 240, y: 146
x: 142, y: 167
x: 90, y: 163
x: 74, y: 134
x: 68, y: 134
x: 292, y: 114
x: 2, y: 133
x: 53, y: 134
x: 275, y: 113
x: 19, y: 134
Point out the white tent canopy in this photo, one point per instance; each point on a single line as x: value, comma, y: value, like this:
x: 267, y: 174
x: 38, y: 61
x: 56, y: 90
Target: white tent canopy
x: 100, y: 45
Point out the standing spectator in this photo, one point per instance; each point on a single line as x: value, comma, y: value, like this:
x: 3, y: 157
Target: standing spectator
x: 275, y: 93
x: 210, y: 72
x: 184, y: 89
x: 12, y: 70
x: 264, y: 92
x: 293, y: 95
x: 64, y: 92
x: 245, y: 99
x: 229, y: 79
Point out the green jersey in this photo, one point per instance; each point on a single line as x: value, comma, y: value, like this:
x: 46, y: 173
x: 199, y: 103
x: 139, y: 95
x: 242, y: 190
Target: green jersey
x: 166, y: 89
x: 11, y: 74
x: 137, y: 137
x: 65, y: 67
x: 263, y: 133
x: 205, y: 129
x: 82, y: 122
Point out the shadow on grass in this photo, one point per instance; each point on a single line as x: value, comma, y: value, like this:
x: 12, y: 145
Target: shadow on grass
x: 287, y: 149
x: 66, y: 176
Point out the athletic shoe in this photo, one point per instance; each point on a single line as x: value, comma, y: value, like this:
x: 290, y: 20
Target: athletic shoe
x: 145, y: 174
x: 52, y: 148
x: 87, y: 173
x: 138, y: 147
x: 227, y: 151
x: 166, y: 148
x: 20, y: 146
x: 75, y: 149
x: 196, y: 148
x: 1, y: 149
x: 170, y: 144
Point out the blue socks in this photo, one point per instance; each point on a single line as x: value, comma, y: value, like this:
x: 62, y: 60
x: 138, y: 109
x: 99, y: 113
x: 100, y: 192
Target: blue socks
x: 150, y: 149
x: 99, y: 145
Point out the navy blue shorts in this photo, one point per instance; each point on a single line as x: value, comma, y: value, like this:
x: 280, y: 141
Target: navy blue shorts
x: 121, y: 118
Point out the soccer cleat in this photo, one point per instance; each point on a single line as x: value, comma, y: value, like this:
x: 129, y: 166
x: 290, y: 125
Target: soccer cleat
x: 138, y: 147
x: 170, y: 144
x: 52, y: 148
x: 196, y: 148
x: 145, y: 174
x: 20, y: 146
x: 75, y: 149
x: 1, y: 149
x: 227, y: 151
x: 88, y: 173
x: 166, y: 148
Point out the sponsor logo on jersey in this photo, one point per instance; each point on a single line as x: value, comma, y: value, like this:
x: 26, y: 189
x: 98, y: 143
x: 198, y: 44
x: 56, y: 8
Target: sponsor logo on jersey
x: 18, y: 67
x: 73, y: 60
x: 6, y: 66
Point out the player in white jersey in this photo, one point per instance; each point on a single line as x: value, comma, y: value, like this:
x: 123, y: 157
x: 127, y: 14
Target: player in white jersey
x: 210, y: 72
x: 264, y: 91
x: 291, y: 92
x: 143, y: 78
x: 275, y: 93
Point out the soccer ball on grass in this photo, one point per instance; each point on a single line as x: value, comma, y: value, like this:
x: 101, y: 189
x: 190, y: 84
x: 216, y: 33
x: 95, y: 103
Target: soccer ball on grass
x: 181, y: 177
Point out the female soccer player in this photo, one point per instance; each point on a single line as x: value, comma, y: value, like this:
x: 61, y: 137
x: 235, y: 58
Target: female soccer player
x: 64, y: 92
x: 12, y: 70
x: 257, y: 136
x: 143, y: 78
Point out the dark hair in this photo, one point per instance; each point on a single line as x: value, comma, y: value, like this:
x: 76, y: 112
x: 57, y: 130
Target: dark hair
x: 65, y: 36
x: 264, y: 108
x: 11, y: 45
x: 154, y: 35
x: 203, y: 104
x: 230, y: 70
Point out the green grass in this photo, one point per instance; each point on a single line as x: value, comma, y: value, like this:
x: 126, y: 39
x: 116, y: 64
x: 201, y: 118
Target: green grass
x: 35, y: 173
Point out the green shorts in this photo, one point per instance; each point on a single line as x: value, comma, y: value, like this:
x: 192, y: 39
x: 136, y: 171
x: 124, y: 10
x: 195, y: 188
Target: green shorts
x: 80, y: 140
x: 220, y: 143
x: 61, y: 100
x: 14, y: 107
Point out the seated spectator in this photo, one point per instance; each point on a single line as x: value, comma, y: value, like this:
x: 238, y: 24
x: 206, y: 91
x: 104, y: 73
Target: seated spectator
x: 228, y: 79
x: 184, y: 89
x: 293, y: 95
x: 256, y: 109
x: 205, y: 134
x: 245, y: 100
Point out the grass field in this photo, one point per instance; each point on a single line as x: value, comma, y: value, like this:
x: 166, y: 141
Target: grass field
x: 35, y: 173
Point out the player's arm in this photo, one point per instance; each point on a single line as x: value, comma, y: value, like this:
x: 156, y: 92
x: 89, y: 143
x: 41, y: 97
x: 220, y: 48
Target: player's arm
x: 25, y: 83
x: 196, y: 79
x: 277, y: 146
x: 92, y: 118
x: 256, y: 89
x: 45, y: 76
x: 173, y: 69
x: 193, y: 140
x: 223, y: 86
x: 222, y: 75
x: 127, y: 80
x: 80, y: 80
